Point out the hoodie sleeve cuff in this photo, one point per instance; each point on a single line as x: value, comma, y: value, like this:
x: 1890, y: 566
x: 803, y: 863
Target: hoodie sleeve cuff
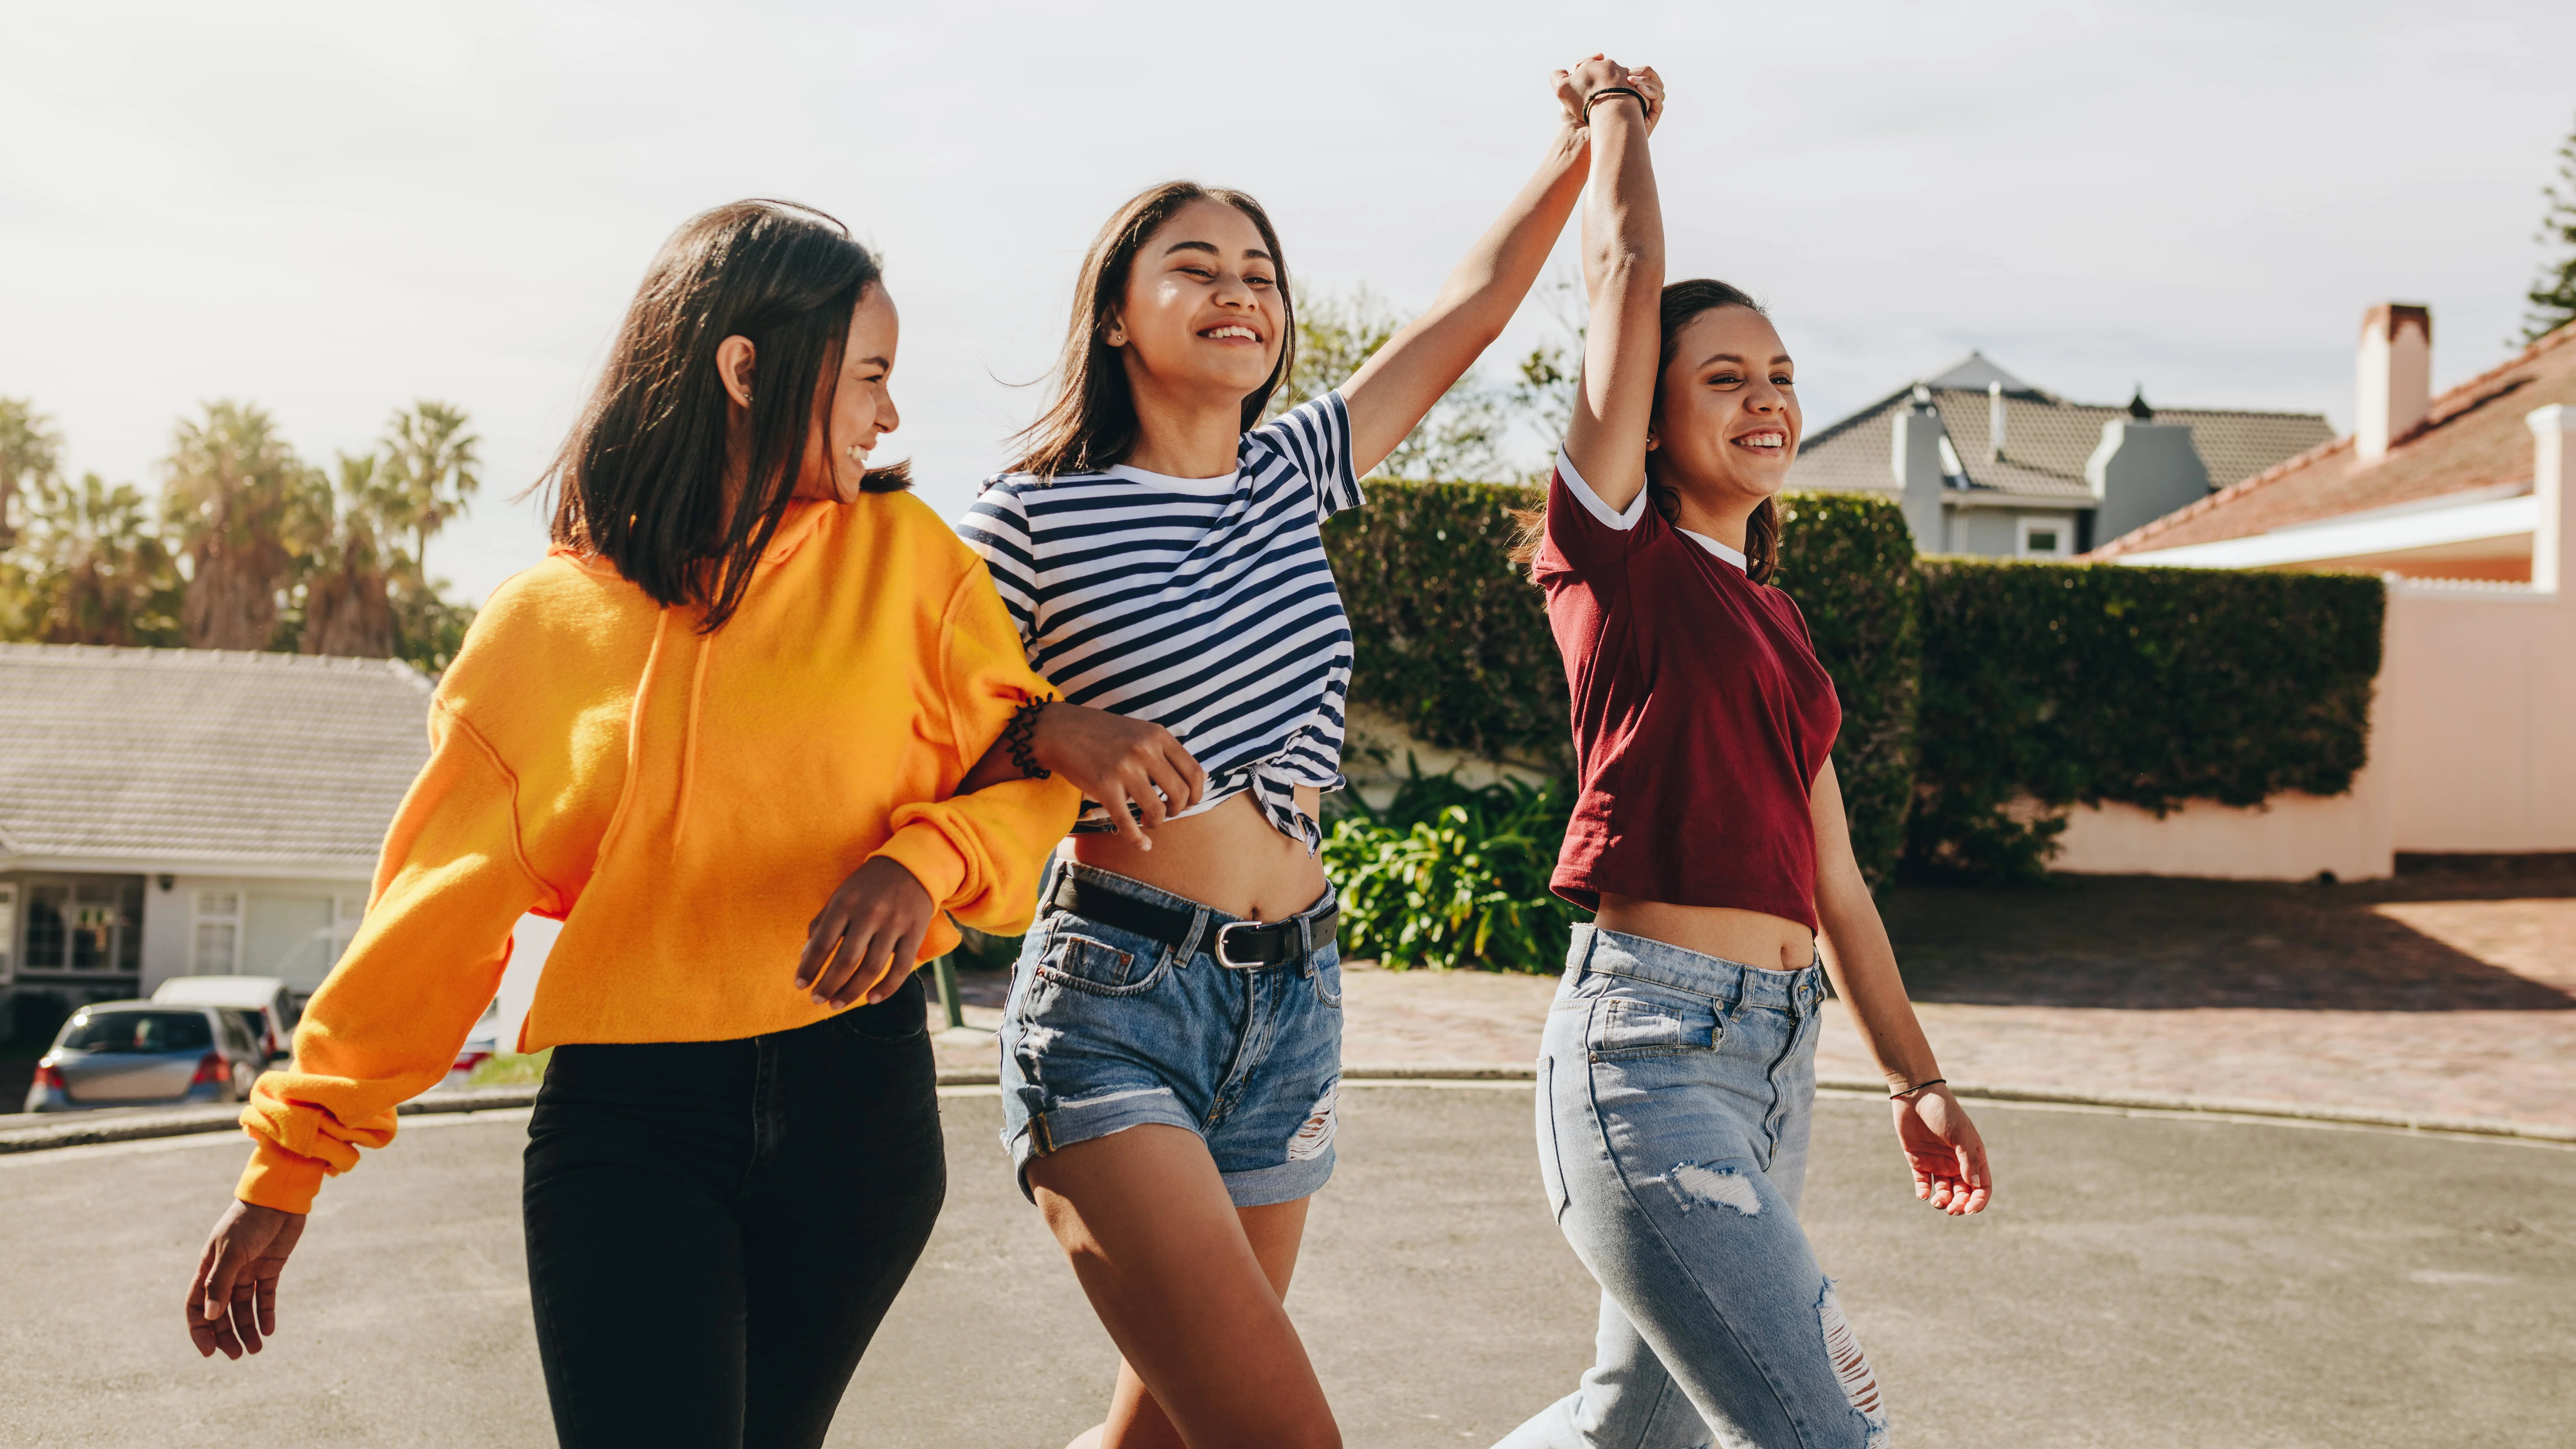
x: 923, y: 849
x: 277, y: 1178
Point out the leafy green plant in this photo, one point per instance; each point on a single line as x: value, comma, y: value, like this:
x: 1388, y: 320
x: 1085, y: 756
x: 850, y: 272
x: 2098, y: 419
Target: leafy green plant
x: 1450, y: 874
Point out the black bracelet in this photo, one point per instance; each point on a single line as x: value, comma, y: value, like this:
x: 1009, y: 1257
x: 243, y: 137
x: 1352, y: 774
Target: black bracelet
x: 1917, y: 1087
x: 1643, y: 110
x: 1021, y: 735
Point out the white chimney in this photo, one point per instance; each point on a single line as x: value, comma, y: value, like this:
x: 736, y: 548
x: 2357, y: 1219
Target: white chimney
x: 2395, y: 376
x: 2553, y: 474
x: 1995, y: 421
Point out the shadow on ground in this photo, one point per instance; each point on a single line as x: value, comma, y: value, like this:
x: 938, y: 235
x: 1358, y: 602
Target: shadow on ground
x: 2143, y: 943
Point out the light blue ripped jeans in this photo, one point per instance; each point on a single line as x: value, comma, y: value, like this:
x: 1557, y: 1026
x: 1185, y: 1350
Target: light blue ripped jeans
x: 1674, y: 1096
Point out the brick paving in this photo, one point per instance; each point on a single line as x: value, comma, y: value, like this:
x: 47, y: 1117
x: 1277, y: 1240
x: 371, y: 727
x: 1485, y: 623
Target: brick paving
x: 2447, y: 992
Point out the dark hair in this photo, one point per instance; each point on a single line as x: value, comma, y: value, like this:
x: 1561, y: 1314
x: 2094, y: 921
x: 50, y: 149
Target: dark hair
x: 1681, y: 304
x: 641, y: 481
x: 1092, y: 422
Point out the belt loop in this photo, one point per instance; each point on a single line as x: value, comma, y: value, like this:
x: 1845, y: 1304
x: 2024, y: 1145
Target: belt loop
x: 1189, y: 946
x: 1306, y: 945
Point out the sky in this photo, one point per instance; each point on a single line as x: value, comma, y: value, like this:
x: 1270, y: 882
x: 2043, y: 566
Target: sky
x: 333, y: 210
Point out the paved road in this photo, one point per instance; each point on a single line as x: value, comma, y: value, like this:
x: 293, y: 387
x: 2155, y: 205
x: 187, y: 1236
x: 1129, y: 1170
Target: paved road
x: 2145, y: 1281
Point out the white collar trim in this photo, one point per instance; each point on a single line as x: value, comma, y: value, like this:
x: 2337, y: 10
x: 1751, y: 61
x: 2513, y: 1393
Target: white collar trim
x: 1734, y: 556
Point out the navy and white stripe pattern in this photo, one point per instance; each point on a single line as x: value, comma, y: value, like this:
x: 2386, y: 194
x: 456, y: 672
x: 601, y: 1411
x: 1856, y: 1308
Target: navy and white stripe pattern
x: 1202, y: 604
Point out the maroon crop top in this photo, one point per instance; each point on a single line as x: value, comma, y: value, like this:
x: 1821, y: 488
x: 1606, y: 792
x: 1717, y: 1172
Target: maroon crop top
x: 1701, y: 716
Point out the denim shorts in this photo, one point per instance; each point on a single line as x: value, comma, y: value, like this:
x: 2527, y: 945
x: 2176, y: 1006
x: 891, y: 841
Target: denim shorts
x: 1108, y: 1030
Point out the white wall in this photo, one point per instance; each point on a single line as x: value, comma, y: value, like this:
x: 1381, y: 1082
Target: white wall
x: 270, y: 917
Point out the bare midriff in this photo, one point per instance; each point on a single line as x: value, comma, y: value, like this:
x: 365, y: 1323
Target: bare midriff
x: 1748, y: 938
x: 1230, y: 858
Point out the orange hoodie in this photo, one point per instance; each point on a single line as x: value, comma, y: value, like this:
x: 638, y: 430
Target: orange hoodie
x: 683, y: 802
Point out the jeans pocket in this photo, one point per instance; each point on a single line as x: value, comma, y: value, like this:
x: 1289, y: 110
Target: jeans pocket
x: 1089, y: 964
x: 1328, y: 979
x: 1623, y: 1028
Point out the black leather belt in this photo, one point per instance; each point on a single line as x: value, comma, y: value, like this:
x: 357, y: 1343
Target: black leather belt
x: 1243, y: 945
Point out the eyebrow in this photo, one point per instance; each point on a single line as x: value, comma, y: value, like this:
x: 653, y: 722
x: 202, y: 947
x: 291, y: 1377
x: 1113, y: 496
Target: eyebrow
x: 1212, y: 249
x: 1733, y: 357
x: 878, y: 361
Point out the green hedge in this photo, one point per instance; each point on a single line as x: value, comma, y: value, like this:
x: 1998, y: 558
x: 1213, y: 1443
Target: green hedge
x: 2090, y: 683
x: 1849, y: 562
x: 1451, y: 639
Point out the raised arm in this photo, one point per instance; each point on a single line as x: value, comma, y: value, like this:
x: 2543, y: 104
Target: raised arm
x: 1401, y: 381
x: 1623, y: 282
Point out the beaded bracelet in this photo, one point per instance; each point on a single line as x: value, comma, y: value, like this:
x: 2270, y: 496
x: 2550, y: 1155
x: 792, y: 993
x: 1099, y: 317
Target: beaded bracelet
x: 1021, y: 735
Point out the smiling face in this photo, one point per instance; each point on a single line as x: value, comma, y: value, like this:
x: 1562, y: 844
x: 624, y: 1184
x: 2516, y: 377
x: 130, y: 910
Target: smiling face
x: 1202, y: 315
x: 1726, y: 410
x: 861, y: 406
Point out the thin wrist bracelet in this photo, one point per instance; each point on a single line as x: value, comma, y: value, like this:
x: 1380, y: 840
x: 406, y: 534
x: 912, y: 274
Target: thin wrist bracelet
x: 1917, y: 1087
x: 1630, y: 91
x: 1021, y: 735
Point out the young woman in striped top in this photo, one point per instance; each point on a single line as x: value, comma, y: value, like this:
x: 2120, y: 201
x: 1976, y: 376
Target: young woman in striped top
x: 1173, y: 1040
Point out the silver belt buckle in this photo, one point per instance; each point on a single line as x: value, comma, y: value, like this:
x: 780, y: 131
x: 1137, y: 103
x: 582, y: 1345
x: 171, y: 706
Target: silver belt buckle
x: 1226, y: 959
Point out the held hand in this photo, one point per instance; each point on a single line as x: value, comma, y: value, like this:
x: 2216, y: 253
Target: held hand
x: 1115, y: 760
x: 1651, y: 86
x: 867, y: 938
x: 232, y: 1298
x: 1943, y: 1148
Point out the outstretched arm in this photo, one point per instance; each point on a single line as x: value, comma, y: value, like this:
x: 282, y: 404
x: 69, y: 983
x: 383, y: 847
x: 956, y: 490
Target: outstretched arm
x: 1940, y: 1143
x: 1623, y: 281
x: 1397, y: 386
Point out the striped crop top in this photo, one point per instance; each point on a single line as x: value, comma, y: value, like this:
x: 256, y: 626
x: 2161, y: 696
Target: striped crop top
x: 1204, y: 605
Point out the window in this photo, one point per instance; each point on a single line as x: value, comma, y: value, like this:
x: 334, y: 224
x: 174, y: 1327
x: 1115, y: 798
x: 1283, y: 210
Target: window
x: 217, y: 948
x: 8, y: 927
x: 84, y: 924
x: 2046, y: 536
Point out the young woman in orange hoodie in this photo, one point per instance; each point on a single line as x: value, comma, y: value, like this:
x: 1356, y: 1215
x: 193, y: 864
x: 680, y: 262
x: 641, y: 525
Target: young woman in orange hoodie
x: 720, y: 733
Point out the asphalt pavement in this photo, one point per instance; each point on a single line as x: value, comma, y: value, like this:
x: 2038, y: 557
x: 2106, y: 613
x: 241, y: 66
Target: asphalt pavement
x: 2143, y: 1280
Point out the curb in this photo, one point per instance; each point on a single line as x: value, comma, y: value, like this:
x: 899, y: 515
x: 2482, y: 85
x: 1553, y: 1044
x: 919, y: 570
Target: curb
x: 78, y: 1132
x: 86, y: 1130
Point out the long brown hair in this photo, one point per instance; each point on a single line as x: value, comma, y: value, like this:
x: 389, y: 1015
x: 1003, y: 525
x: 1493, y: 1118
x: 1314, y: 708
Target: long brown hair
x: 1681, y: 304
x: 1092, y: 422
x: 641, y: 480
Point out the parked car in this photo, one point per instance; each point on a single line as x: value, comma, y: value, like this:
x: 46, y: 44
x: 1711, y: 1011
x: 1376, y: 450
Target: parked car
x: 146, y: 1053
x: 480, y: 1046
x: 262, y: 1002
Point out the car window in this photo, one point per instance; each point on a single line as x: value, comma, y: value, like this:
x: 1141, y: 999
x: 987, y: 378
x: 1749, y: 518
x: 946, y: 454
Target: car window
x: 254, y: 1026
x: 139, y: 1031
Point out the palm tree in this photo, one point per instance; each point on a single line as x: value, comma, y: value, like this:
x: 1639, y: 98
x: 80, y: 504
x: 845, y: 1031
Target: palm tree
x: 430, y: 464
x: 347, y: 610
x: 30, y: 452
x: 241, y: 507
x: 100, y: 576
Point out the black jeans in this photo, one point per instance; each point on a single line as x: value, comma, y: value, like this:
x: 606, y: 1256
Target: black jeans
x: 715, y: 1229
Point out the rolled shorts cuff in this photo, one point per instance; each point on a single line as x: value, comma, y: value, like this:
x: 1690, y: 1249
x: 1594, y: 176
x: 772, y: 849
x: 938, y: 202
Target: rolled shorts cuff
x: 1115, y: 1112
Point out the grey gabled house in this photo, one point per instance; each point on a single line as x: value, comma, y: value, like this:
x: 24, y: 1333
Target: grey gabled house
x: 168, y: 812
x: 1984, y: 463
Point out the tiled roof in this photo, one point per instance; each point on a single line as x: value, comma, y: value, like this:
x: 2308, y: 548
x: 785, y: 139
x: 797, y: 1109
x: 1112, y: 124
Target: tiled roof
x: 2474, y: 437
x: 200, y: 756
x: 2046, y: 443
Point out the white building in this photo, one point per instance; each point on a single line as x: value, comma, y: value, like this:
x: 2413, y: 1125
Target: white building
x: 168, y: 812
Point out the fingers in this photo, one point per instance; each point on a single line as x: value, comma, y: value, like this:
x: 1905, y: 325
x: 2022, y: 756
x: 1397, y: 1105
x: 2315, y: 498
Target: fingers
x: 1123, y: 818
x: 850, y: 972
x: 900, y: 964
x: 1144, y: 789
x: 1189, y: 768
x: 822, y: 938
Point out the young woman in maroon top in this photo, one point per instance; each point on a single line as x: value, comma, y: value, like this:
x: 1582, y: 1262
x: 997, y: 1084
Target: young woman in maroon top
x: 1709, y: 836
